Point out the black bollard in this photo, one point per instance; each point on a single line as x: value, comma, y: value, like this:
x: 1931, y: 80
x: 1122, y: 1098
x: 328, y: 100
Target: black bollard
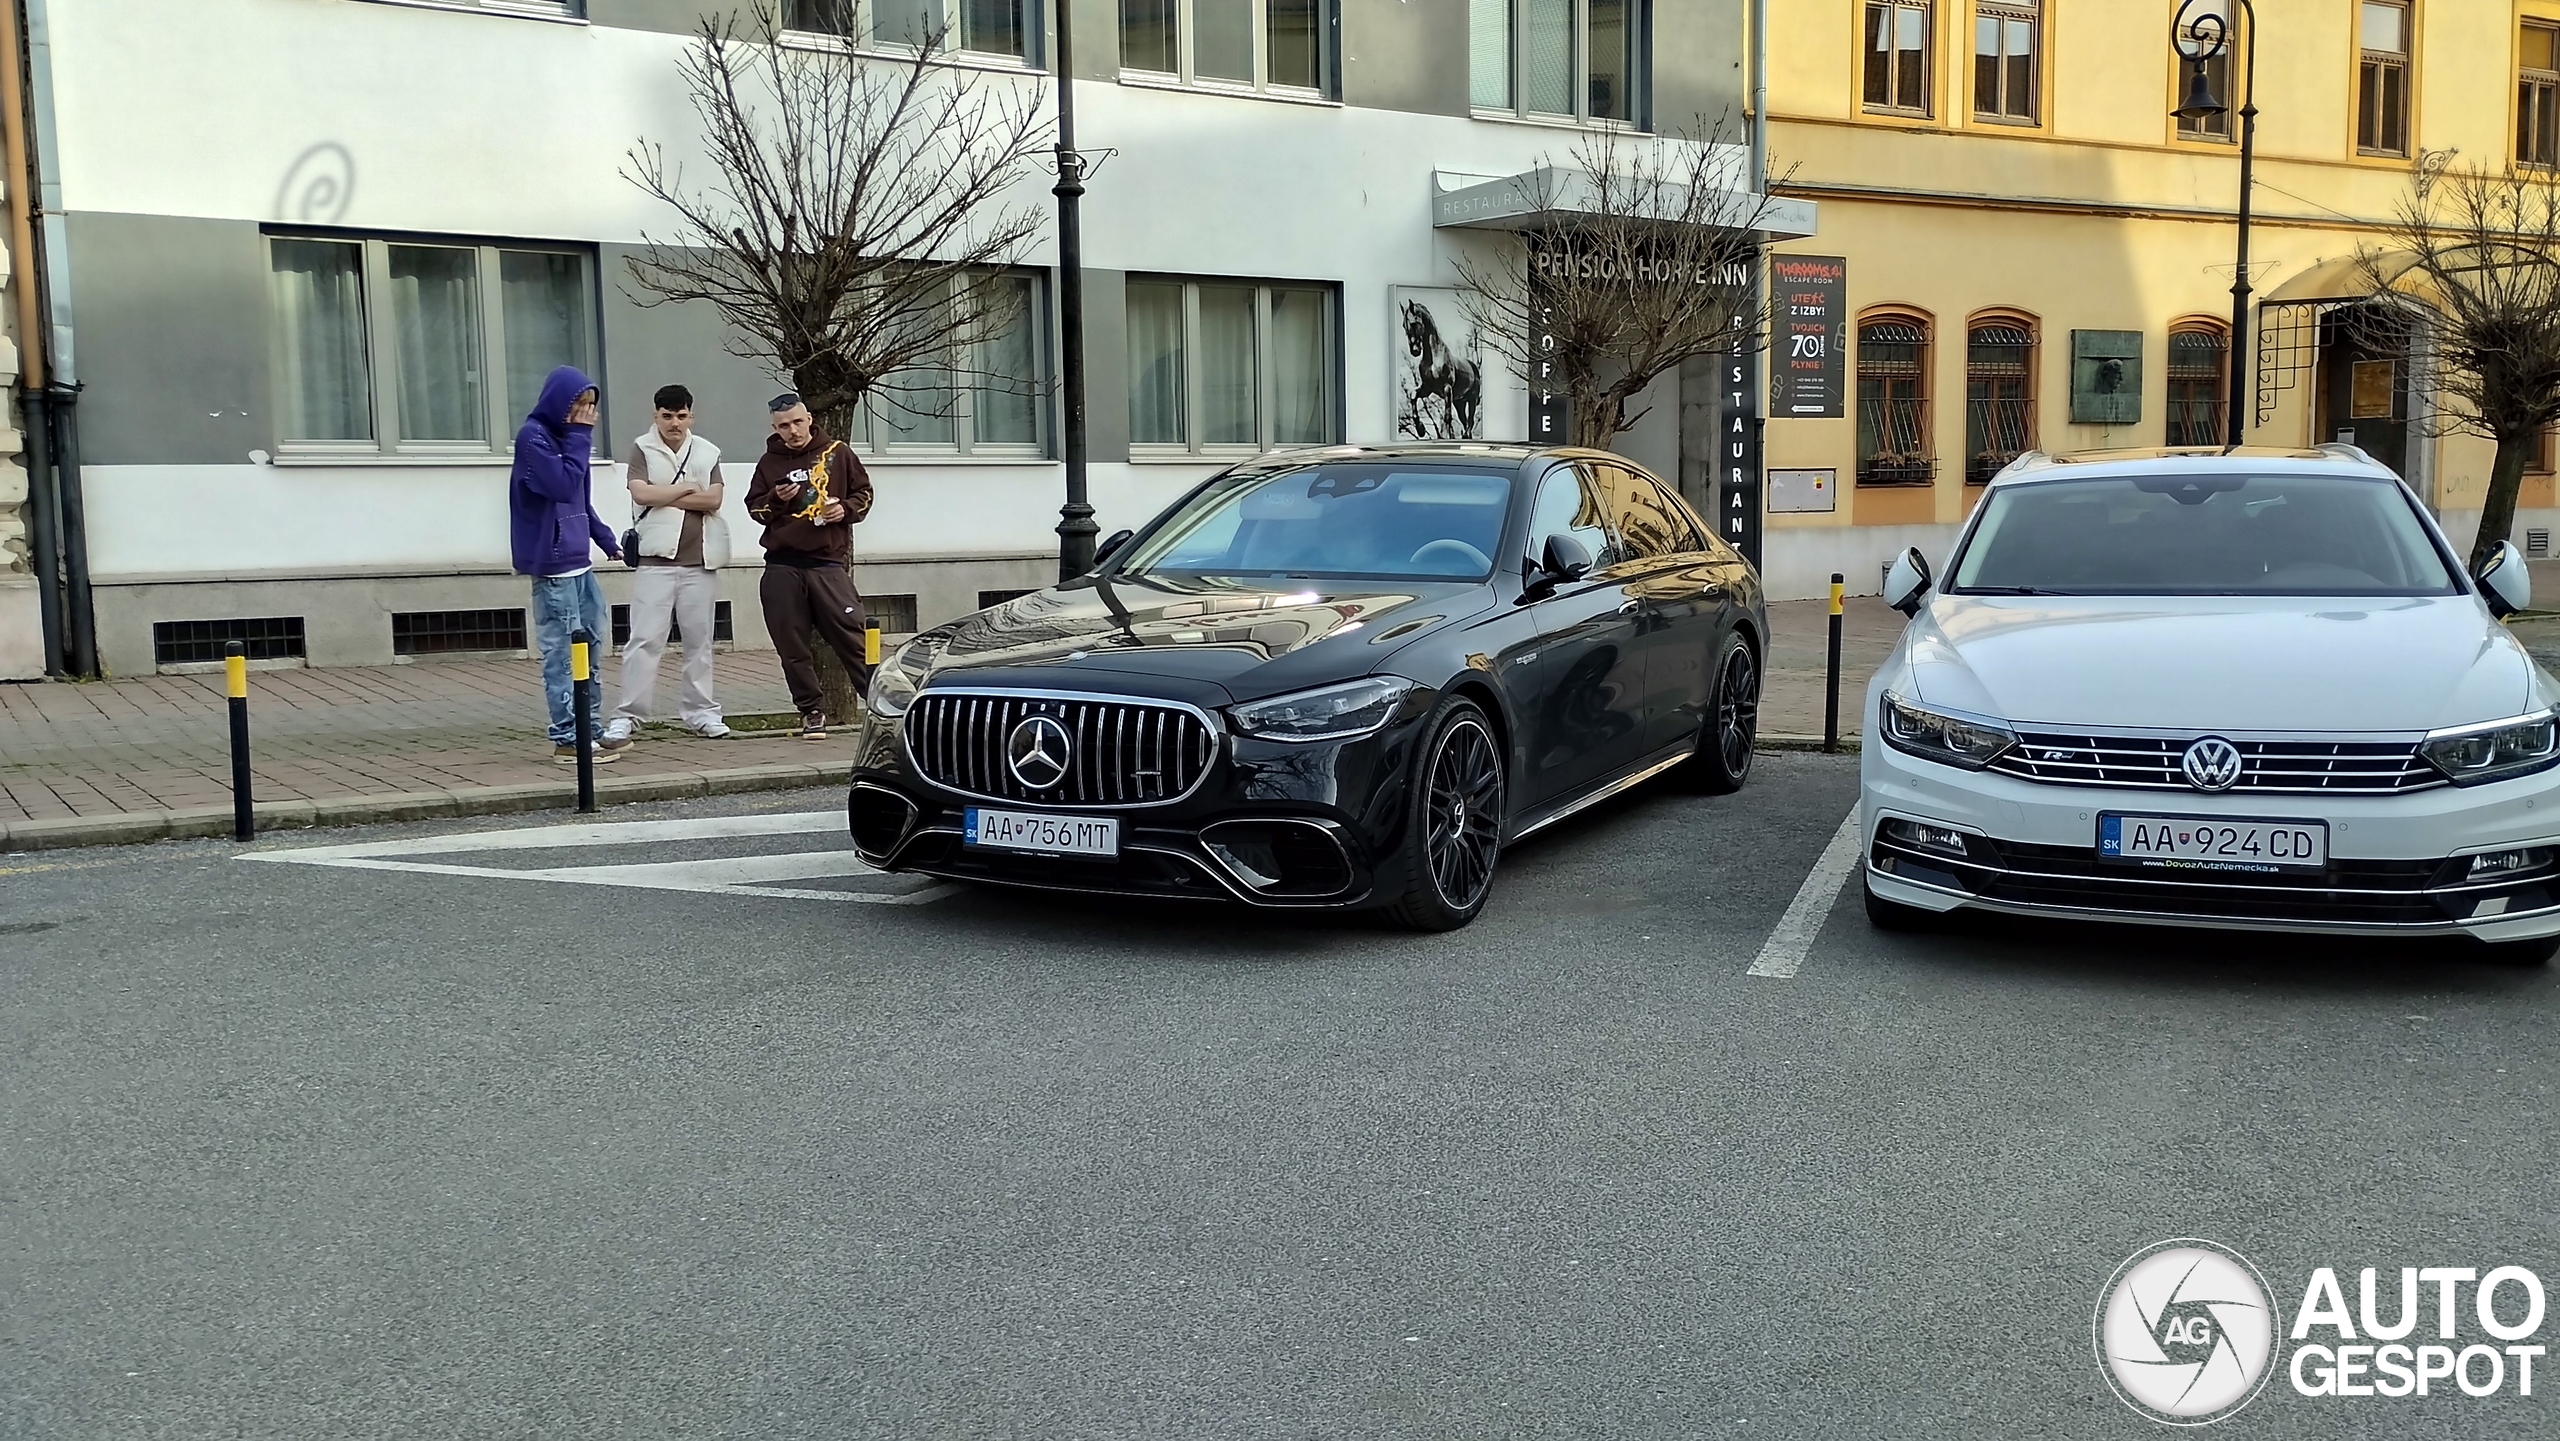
x: 583, y: 710
x: 235, y: 676
x: 1831, y: 673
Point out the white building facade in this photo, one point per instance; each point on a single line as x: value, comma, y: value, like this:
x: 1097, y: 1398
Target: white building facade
x: 320, y: 252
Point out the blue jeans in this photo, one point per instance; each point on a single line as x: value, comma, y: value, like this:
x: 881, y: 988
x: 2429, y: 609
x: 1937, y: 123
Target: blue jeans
x: 560, y: 605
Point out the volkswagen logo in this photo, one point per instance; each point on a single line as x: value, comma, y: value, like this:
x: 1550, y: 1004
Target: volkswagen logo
x: 2212, y: 764
x: 1037, y: 750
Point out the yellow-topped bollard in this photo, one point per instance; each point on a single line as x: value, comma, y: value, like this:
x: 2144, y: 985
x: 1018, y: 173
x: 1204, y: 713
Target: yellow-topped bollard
x: 582, y: 714
x: 1837, y: 586
x: 235, y: 685
x: 579, y: 670
x: 1831, y: 672
x: 871, y: 643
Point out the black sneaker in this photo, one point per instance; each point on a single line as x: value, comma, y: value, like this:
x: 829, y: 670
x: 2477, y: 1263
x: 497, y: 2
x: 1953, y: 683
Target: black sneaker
x: 813, y: 726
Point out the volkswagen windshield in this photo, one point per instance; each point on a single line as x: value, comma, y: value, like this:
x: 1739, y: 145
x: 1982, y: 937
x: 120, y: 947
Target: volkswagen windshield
x: 2203, y: 535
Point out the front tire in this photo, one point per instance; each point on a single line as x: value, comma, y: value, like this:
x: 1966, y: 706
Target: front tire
x: 1453, y: 820
x: 1731, y: 726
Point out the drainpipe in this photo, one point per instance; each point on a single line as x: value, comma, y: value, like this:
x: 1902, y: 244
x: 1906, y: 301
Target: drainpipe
x: 34, y: 424
x: 62, y: 389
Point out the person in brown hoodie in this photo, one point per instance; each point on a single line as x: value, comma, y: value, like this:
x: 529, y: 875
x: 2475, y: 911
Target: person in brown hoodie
x: 810, y: 492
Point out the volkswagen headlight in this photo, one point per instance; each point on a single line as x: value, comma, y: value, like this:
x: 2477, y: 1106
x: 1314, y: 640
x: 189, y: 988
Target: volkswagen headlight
x: 894, y: 685
x: 1329, y: 713
x: 2473, y: 755
x: 1970, y: 742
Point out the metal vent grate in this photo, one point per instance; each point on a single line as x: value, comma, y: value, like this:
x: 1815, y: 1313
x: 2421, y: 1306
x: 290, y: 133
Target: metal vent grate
x: 2537, y: 543
x: 988, y: 598
x: 201, y: 642
x: 444, y: 632
x: 894, y: 614
x: 720, y: 629
x: 1118, y: 752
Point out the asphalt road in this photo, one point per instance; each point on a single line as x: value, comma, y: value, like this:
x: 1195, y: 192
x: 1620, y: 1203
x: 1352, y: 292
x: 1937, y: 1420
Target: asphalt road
x: 311, y: 1151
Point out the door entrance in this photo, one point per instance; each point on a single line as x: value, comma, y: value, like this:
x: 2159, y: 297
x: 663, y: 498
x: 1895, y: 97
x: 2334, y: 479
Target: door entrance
x: 2363, y: 384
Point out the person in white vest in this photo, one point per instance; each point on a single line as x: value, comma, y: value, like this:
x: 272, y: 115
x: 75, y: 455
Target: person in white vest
x: 675, y: 493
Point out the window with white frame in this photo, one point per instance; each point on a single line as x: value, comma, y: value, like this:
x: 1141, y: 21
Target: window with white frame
x: 985, y: 399
x: 421, y: 347
x: 1275, y: 45
x: 1005, y: 29
x: 570, y: 9
x: 1558, y: 59
x: 1229, y: 365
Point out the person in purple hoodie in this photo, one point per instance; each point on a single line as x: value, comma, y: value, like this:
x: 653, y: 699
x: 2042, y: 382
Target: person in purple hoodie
x: 553, y: 520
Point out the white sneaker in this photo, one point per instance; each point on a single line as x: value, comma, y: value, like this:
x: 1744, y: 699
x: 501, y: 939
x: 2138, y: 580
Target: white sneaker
x: 712, y: 730
x: 617, y: 730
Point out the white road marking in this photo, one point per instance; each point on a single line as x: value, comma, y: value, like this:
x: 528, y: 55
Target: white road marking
x: 719, y: 875
x: 1787, y: 945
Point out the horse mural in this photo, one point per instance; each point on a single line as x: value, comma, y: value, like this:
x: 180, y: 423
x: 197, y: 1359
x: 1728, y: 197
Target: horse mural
x: 1448, y: 391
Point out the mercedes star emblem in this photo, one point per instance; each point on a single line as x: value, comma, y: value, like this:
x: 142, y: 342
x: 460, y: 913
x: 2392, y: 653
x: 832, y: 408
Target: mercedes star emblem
x: 1037, y: 750
x: 2212, y: 764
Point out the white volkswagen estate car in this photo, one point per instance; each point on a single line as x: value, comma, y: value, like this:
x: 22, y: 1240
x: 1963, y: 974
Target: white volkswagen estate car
x: 2251, y: 689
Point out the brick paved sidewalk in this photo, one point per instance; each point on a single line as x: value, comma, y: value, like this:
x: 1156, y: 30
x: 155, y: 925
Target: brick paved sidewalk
x: 163, y: 743
x: 133, y: 748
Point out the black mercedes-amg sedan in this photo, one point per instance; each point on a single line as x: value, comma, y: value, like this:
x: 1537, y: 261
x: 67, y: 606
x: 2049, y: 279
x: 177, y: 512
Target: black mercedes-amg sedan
x: 1338, y: 678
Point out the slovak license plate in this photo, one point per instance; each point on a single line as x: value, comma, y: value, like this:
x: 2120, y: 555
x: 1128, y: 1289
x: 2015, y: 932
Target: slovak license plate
x: 2199, y: 843
x: 1041, y: 834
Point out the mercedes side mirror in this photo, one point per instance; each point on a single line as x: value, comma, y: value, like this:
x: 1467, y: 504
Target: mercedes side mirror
x: 2504, y: 581
x: 1565, y: 558
x: 1907, y: 584
x: 1110, y: 543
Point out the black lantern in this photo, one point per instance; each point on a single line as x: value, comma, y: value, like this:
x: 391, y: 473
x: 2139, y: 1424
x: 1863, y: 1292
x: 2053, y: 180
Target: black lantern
x: 2200, y: 104
x: 2200, y: 34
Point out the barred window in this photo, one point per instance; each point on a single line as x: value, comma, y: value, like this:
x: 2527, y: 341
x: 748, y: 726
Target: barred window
x: 1999, y: 397
x: 1893, y: 403
x: 2198, y: 353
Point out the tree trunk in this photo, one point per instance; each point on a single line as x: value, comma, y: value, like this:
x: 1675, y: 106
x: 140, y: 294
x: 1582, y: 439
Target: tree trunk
x: 2506, y: 477
x: 1595, y: 420
x: 843, y: 700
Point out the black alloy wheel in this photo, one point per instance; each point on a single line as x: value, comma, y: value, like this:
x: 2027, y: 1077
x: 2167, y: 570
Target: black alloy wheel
x: 1732, y: 728
x: 1453, y: 833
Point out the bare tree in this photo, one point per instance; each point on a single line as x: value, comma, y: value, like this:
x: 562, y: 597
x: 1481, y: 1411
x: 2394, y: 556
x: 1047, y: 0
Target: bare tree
x: 2472, y: 261
x: 855, y: 227
x: 1643, y: 262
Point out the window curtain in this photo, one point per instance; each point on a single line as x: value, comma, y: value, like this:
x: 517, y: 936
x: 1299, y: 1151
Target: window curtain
x: 327, y: 384
x: 1301, y: 358
x: 1008, y: 395
x: 435, y: 311
x: 1489, y: 53
x: 1155, y: 364
x: 542, y: 297
x: 1227, y: 411
x: 1222, y: 39
x: 1149, y: 36
x: 1549, y: 63
x: 1293, y: 48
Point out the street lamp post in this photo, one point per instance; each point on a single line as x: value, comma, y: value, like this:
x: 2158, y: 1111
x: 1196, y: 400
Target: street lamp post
x: 2198, y: 40
x: 1075, y: 518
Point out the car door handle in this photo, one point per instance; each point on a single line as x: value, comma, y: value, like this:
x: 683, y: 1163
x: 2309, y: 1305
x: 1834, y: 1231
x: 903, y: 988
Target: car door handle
x: 1631, y: 607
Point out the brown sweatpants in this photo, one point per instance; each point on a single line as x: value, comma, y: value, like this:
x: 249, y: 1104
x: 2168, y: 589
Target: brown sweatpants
x: 798, y: 601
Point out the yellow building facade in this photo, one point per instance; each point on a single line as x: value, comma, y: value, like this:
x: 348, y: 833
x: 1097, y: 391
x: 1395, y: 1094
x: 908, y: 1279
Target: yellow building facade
x: 2023, y: 217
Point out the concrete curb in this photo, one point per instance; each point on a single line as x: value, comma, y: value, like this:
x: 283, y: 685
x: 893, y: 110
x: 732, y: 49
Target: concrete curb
x: 1783, y: 741
x: 199, y: 822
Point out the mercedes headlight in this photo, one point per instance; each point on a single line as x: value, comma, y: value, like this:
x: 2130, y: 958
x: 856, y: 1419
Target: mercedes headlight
x: 2472, y: 755
x: 1970, y: 742
x: 1329, y: 713
x: 894, y: 685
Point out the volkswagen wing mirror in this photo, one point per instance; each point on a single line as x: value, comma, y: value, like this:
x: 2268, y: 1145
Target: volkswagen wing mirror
x: 1111, y: 543
x: 2504, y: 581
x: 1907, y: 584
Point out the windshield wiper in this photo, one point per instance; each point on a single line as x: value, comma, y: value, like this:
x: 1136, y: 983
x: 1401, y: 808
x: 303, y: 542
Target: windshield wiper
x: 2013, y: 590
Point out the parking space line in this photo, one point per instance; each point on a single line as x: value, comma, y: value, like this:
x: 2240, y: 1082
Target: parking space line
x: 1787, y: 945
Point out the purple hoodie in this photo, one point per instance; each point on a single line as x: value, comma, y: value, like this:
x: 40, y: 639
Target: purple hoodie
x: 551, y: 517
